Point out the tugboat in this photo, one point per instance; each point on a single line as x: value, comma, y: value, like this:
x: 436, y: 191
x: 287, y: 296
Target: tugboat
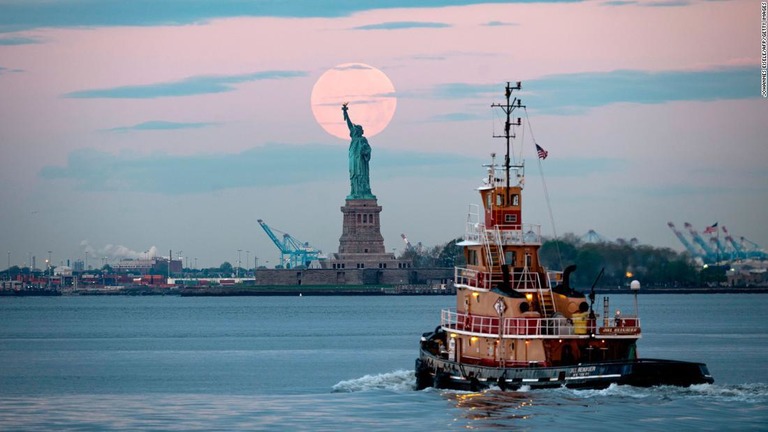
x: 517, y: 324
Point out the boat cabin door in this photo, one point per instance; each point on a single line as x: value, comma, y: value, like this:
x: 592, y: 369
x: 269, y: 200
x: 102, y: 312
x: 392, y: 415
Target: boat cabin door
x: 452, y: 349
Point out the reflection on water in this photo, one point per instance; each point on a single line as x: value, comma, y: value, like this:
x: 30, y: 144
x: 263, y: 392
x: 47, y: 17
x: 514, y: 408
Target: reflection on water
x: 493, y: 408
x: 658, y: 408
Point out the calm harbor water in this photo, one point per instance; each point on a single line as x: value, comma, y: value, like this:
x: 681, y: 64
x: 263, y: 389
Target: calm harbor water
x: 342, y: 363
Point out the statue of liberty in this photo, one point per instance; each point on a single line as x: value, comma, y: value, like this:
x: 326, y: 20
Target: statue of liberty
x: 359, y: 156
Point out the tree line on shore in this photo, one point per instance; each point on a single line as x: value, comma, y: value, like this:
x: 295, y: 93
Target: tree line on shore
x: 622, y: 262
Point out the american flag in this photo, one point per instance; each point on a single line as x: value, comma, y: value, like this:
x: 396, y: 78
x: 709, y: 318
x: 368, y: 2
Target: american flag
x: 710, y: 229
x: 542, y: 153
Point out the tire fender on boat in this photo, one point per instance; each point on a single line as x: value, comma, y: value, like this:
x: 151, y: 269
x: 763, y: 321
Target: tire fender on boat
x: 474, y: 384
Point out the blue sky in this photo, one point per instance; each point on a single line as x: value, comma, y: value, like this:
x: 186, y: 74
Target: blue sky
x: 177, y: 124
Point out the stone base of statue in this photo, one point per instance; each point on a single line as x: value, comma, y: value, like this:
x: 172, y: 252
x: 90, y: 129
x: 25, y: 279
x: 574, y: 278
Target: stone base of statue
x: 361, y: 229
x: 361, y: 244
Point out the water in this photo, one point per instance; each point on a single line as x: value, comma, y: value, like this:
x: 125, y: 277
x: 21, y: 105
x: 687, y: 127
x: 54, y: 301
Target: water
x: 341, y: 363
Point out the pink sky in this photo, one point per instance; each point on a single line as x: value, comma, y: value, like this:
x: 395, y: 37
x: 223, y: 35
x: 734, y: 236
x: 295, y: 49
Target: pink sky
x: 687, y: 145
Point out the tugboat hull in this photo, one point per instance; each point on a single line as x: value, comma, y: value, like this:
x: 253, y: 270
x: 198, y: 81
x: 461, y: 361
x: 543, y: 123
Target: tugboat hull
x: 432, y: 371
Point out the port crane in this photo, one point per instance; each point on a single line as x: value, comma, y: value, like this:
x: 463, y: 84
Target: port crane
x: 736, y: 246
x: 755, y: 251
x: 293, y: 253
x: 718, y: 250
x: 593, y: 237
x: 688, y: 246
x: 709, y: 254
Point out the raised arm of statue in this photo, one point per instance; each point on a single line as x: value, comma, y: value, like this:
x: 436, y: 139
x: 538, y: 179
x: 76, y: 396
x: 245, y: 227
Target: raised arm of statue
x: 350, y: 125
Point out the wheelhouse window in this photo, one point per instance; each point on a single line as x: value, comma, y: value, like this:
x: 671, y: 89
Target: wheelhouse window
x: 472, y: 259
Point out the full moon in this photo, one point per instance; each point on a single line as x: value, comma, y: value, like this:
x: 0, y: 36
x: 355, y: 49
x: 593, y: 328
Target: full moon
x: 370, y: 94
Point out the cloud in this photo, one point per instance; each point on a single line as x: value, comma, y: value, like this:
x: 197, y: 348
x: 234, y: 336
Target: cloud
x: 594, y: 89
x: 4, y: 70
x: 354, y: 66
x: 427, y: 57
x: 9, y: 41
x: 28, y: 14
x: 160, y: 125
x: 578, y: 167
x: 464, y: 90
x: 400, y: 25
x: 575, y: 93
x: 457, y: 116
x: 186, y: 87
x: 667, y: 3
x: 619, y: 3
x: 500, y: 24
x: 271, y: 165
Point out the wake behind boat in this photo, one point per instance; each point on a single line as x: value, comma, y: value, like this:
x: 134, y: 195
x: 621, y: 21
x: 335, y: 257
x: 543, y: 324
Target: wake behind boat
x: 516, y: 323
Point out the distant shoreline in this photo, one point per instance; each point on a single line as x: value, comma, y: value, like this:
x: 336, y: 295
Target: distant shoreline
x: 333, y: 290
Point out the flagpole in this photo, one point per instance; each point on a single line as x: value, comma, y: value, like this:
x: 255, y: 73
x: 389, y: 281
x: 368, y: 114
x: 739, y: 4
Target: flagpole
x: 546, y: 192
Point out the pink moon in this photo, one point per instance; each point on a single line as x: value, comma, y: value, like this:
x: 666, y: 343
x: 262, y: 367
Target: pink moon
x: 370, y: 94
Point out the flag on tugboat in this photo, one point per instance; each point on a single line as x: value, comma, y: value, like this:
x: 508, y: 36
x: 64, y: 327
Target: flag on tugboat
x: 711, y: 229
x: 542, y: 153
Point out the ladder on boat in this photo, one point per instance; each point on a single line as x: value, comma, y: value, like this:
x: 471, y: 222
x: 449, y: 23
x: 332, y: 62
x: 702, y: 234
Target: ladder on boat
x: 494, y: 250
x: 531, y: 281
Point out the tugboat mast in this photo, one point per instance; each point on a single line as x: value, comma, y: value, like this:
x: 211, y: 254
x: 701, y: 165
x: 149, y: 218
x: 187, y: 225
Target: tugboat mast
x: 509, y: 107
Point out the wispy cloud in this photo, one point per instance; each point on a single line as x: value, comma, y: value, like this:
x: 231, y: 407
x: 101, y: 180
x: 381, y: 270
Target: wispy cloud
x: 4, y: 70
x: 500, y: 24
x: 18, y: 40
x: 186, y: 87
x: 271, y: 165
x: 156, y: 125
x: 575, y: 93
x: 28, y: 14
x: 427, y: 57
x: 354, y: 66
x: 619, y: 3
x: 667, y: 3
x: 401, y: 25
x: 593, y: 89
x: 454, y: 117
x: 556, y: 166
x: 464, y: 90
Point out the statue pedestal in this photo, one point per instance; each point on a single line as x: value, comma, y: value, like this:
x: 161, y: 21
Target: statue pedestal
x: 361, y: 232
x: 361, y: 245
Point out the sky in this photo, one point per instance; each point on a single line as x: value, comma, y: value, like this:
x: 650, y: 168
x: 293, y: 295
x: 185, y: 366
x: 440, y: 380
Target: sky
x: 137, y: 128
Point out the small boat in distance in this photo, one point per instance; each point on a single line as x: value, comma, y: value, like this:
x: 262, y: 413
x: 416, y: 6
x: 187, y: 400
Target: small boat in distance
x: 517, y: 324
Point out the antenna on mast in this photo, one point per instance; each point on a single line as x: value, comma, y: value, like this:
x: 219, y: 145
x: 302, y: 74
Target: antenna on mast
x: 509, y: 107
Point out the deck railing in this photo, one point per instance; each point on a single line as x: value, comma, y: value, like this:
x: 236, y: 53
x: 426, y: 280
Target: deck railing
x: 519, y: 279
x: 520, y: 234
x: 533, y: 325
